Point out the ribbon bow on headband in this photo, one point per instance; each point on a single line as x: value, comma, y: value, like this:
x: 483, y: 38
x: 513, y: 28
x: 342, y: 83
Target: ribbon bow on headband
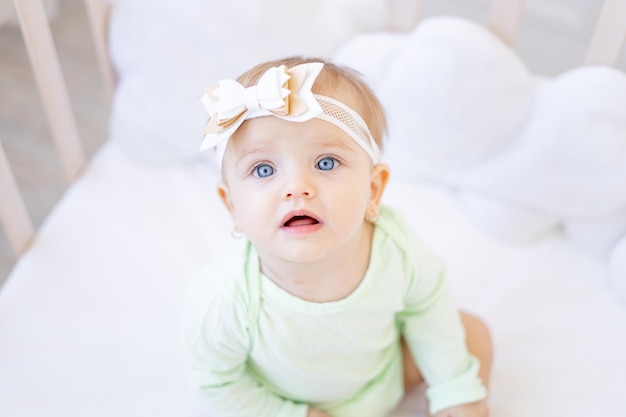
x: 282, y: 92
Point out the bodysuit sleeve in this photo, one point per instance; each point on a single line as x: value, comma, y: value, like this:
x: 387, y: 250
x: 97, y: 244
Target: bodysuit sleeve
x: 218, y: 331
x: 432, y: 328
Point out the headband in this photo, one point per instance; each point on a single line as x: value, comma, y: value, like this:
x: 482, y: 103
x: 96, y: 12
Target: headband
x: 284, y: 93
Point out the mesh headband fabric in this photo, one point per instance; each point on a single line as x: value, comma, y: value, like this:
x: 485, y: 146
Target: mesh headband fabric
x: 335, y: 112
x: 342, y: 116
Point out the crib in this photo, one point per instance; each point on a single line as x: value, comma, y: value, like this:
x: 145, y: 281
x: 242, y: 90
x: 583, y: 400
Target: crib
x: 523, y: 193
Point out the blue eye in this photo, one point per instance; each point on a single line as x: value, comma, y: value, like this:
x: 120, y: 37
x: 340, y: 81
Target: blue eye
x: 326, y: 164
x: 263, y: 171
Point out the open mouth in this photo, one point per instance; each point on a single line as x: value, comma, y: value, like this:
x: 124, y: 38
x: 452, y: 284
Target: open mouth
x: 296, y: 221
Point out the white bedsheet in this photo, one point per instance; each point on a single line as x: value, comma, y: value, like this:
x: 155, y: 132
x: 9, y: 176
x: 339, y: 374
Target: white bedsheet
x: 89, y: 318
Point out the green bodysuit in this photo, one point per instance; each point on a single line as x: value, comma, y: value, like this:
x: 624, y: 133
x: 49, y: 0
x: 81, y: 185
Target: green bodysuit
x: 256, y: 350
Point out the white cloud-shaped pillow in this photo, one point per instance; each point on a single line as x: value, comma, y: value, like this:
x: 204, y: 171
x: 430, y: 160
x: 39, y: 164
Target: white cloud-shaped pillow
x: 525, y: 153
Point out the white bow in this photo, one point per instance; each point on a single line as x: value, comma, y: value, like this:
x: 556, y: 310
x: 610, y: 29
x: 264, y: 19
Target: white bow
x: 282, y: 92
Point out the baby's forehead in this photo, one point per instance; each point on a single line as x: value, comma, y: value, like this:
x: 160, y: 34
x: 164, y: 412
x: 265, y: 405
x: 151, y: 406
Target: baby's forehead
x: 269, y: 129
x: 266, y: 133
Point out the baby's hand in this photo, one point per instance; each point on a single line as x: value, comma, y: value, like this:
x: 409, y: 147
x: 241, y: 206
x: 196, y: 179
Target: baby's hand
x: 314, y: 412
x: 477, y: 409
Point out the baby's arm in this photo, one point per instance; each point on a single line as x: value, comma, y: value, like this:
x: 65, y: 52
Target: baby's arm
x: 314, y: 412
x: 217, y: 340
x: 235, y: 393
x: 477, y: 409
x: 434, y: 333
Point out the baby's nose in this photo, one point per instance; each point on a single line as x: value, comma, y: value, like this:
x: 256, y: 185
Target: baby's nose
x: 299, y: 186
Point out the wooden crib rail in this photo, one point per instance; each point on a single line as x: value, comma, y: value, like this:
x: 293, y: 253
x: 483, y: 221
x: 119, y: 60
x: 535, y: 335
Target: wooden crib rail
x: 51, y: 85
x: 403, y: 14
x: 98, y: 12
x: 504, y: 19
x: 608, y: 39
x: 13, y: 215
x: 47, y: 72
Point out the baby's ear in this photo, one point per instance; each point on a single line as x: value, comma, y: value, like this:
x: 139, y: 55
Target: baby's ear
x: 379, y: 178
x: 224, y: 194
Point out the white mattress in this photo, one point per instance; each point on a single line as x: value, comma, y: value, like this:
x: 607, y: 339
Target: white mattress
x: 89, y: 318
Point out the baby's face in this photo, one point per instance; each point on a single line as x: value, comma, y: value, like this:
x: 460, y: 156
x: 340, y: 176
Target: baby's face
x: 299, y: 191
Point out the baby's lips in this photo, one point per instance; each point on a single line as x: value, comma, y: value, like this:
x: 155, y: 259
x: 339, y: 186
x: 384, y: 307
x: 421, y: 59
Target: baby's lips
x: 299, y: 218
x: 300, y: 221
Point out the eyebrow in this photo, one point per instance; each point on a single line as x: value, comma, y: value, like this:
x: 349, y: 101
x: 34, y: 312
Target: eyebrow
x: 333, y: 142
x: 255, y: 149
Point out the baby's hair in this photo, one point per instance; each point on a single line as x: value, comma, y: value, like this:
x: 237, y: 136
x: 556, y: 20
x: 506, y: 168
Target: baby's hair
x: 337, y: 82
